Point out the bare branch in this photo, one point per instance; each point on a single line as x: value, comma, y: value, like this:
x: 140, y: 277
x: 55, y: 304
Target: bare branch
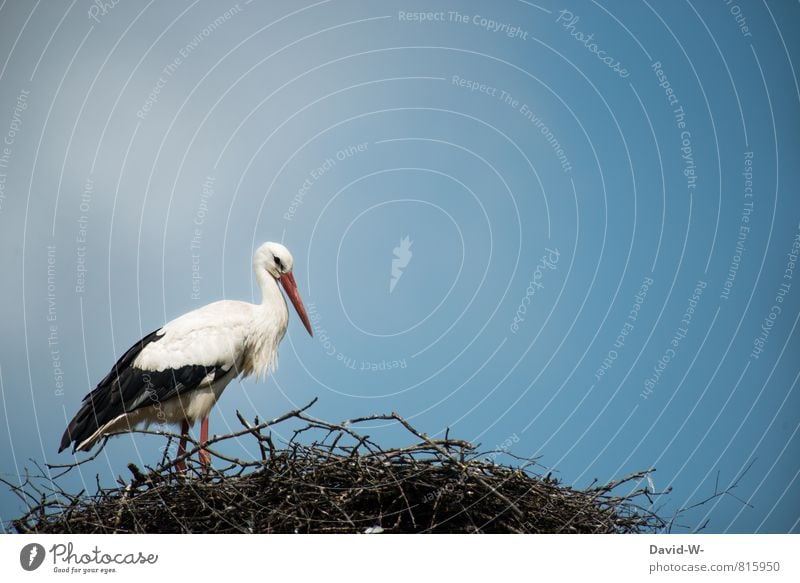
x: 332, y: 477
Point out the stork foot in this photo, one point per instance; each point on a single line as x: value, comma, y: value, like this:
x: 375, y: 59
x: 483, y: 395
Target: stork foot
x: 180, y: 465
x: 205, y: 460
x: 205, y: 457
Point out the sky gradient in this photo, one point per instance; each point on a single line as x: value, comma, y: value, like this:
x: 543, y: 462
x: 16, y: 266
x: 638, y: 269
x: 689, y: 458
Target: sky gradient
x: 572, y: 228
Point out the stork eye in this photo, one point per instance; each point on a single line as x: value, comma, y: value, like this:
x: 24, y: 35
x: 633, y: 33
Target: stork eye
x: 279, y: 263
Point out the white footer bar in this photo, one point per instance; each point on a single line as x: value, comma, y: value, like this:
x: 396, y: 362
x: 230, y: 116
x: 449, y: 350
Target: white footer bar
x: 381, y: 557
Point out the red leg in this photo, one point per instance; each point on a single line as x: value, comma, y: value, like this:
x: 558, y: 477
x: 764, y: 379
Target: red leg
x: 181, y: 465
x: 205, y: 458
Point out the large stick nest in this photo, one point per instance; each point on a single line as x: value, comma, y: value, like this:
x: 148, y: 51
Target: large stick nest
x: 330, y: 478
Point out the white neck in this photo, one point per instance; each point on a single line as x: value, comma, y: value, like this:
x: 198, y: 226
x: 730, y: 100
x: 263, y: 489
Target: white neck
x: 268, y: 326
x: 271, y: 296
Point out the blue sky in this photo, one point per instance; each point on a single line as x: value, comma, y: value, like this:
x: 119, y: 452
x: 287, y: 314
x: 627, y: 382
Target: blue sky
x: 599, y: 198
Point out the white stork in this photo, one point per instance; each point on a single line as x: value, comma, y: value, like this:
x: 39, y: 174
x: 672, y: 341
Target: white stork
x: 177, y: 373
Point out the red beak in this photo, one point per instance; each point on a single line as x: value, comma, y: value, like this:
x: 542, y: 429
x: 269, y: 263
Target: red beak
x: 289, y: 284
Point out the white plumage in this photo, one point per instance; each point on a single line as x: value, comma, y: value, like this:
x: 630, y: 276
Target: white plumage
x: 177, y: 373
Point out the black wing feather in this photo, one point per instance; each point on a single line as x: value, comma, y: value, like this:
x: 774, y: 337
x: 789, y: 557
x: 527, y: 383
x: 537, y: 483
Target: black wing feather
x: 126, y: 388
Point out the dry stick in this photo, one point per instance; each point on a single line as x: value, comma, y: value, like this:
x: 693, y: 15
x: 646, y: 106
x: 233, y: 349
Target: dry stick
x: 463, y: 466
x: 256, y: 433
x: 318, y: 423
x: 198, y: 447
x: 602, y: 491
x: 303, y: 482
x: 122, y: 503
x: 68, y: 466
x: 717, y: 494
x: 218, y: 438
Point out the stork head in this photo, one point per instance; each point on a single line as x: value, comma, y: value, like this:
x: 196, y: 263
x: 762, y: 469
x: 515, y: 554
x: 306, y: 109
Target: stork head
x: 276, y: 260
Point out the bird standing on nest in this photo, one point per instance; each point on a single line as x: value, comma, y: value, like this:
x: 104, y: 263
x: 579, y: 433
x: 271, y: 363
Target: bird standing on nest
x: 177, y: 373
